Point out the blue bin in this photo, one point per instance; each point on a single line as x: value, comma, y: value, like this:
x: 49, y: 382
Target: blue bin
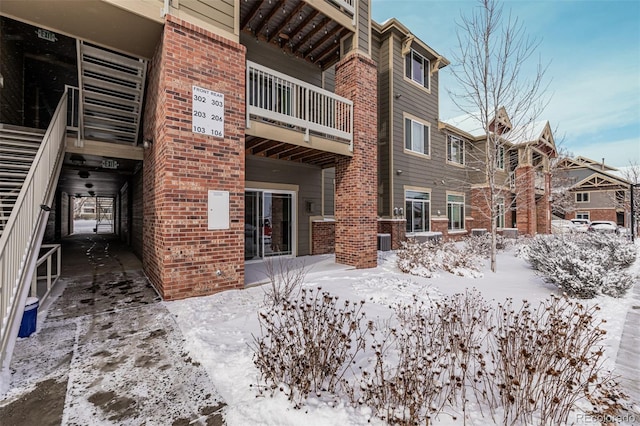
x: 29, y: 317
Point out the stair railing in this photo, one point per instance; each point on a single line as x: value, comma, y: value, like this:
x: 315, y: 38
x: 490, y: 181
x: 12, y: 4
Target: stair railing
x: 21, y: 239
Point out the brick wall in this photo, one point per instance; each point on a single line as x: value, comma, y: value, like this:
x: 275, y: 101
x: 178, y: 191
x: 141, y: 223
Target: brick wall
x: 123, y: 211
x: 596, y: 214
x: 479, y: 208
x: 356, y: 177
x: 323, y: 237
x: 397, y: 228
x: 525, y: 201
x: 543, y: 208
x: 181, y: 257
x: 137, y: 211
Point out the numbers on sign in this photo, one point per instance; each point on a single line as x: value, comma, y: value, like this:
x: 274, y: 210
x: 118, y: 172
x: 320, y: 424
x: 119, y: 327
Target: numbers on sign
x: 201, y: 114
x: 216, y: 102
x: 215, y: 117
x: 199, y: 98
x: 199, y: 129
x: 217, y: 133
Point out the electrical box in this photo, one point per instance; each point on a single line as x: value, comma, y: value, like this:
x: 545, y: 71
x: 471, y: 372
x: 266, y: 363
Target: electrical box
x: 218, y: 210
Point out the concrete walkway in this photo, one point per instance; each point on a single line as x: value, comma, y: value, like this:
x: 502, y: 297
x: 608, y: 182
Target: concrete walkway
x: 106, y: 351
x: 628, y: 359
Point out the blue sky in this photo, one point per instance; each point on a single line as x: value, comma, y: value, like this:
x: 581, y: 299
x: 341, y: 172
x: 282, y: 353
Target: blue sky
x: 593, y: 51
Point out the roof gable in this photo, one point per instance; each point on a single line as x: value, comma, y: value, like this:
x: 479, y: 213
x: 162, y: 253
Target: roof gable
x: 600, y: 181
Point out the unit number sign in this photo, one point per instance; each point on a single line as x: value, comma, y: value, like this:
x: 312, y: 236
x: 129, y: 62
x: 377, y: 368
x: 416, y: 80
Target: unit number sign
x: 208, y: 112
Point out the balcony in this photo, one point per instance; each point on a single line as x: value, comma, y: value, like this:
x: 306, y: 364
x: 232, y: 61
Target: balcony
x: 282, y: 109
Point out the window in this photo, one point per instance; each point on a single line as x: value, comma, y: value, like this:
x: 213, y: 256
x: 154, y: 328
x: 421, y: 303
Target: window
x: 455, y: 150
x: 417, y: 210
x: 500, y: 213
x: 582, y: 197
x: 416, y: 136
x: 455, y: 212
x: 417, y: 68
x: 582, y: 215
x: 500, y: 157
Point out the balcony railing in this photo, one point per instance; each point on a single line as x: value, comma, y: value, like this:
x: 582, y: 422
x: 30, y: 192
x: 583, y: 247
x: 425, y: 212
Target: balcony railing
x: 284, y: 100
x: 348, y: 5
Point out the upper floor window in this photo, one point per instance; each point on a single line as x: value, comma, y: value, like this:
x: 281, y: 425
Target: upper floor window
x: 455, y: 212
x: 417, y: 68
x: 416, y: 136
x: 455, y: 150
x: 582, y: 197
x: 500, y: 157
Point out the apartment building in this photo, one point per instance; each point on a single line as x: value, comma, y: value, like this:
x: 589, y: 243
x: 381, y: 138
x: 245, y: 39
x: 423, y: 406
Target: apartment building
x: 433, y: 172
x: 597, y: 191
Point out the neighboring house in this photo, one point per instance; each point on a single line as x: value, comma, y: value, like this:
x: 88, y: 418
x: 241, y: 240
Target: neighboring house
x: 598, y: 193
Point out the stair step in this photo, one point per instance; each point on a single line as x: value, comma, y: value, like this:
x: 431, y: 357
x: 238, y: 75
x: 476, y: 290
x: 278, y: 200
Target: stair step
x: 12, y: 167
x: 16, y: 150
x: 88, y: 129
x: 13, y: 174
x: 22, y: 143
x: 108, y: 123
x: 22, y: 159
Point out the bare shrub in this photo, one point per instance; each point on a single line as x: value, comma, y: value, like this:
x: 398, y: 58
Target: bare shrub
x: 307, y: 345
x: 286, y: 276
x: 425, y: 364
x: 547, y: 359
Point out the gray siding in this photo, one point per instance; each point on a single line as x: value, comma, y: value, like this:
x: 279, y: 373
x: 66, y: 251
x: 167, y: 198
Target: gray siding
x: 219, y: 13
x: 308, y: 178
x: 380, y: 54
x: 364, y: 25
x: 269, y: 55
x: 330, y: 79
x: 418, y: 171
x: 329, y: 177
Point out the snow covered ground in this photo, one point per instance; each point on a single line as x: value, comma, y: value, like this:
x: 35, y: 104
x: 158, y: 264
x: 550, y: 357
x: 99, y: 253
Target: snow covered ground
x: 219, y: 330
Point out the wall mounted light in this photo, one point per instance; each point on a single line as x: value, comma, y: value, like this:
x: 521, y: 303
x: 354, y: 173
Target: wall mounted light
x: 84, y: 174
x: 398, y: 172
x: 88, y: 185
x: 146, y: 143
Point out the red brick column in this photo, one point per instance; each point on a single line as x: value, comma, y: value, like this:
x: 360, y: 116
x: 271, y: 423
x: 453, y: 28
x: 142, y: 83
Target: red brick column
x: 356, y: 177
x: 480, y: 209
x: 181, y: 257
x: 525, y: 200
x: 543, y: 208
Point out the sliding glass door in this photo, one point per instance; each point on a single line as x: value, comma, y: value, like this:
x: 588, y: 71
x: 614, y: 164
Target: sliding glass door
x: 269, y: 224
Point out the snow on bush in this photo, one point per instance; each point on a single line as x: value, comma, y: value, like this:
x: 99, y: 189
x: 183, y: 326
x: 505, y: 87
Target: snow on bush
x: 481, y: 244
x: 442, y: 357
x: 425, y: 259
x: 583, y: 266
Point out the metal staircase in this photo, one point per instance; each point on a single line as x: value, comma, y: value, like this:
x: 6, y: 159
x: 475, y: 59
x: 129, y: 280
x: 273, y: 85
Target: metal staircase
x: 18, y: 148
x: 29, y: 171
x: 112, y: 90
